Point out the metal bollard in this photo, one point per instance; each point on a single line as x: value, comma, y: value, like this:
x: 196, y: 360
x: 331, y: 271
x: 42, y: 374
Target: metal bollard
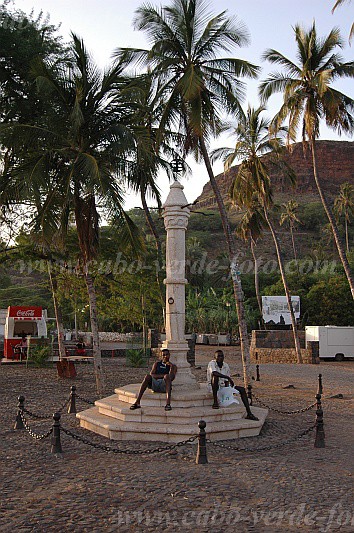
x: 320, y: 386
x: 249, y: 393
x: 18, y: 421
x: 55, y: 441
x: 320, y: 434
x: 72, y: 403
x: 201, y: 458
x: 258, y: 377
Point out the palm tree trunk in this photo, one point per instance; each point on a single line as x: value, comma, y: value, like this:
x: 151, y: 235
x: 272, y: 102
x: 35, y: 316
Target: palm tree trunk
x: 293, y: 242
x: 346, y: 235
x: 156, y: 235
x: 256, y: 282
x: 234, y: 268
x: 57, y: 311
x: 294, y: 249
x: 96, y: 352
x: 330, y: 217
x: 286, y: 289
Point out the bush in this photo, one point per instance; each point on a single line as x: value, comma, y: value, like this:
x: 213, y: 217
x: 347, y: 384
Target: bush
x: 135, y: 358
x: 312, y: 216
x: 210, y: 223
x: 329, y: 302
x: 39, y: 355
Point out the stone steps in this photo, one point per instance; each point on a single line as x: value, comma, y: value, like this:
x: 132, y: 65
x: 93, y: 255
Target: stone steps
x: 112, y: 417
x: 180, y: 398
x: 115, y: 429
x: 115, y: 408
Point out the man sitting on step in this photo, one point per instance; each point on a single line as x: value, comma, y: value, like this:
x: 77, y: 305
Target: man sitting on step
x: 218, y: 375
x: 159, y: 380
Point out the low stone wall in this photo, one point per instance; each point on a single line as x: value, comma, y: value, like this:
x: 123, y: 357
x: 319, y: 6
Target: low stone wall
x: 279, y: 355
x: 271, y: 338
x: 111, y: 336
x: 277, y: 346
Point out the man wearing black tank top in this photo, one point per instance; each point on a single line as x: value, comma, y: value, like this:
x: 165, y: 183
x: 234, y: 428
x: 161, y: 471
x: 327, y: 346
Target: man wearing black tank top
x: 159, y: 380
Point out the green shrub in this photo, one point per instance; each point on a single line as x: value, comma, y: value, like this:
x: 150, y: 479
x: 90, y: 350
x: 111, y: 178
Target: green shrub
x: 39, y: 355
x: 135, y: 358
x: 312, y: 216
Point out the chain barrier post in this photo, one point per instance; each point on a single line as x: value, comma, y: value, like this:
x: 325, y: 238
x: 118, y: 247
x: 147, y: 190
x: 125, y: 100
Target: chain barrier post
x: 320, y: 386
x: 320, y: 434
x: 258, y: 377
x: 55, y: 441
x: 201, y: 458
x: 249, y: 393
x: 18, y: 421
x: 72, y: 401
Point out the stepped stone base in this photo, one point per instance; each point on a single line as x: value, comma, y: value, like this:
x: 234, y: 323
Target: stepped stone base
x: 112, y: 418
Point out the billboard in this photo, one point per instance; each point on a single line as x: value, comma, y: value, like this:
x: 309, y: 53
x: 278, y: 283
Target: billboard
x: 275, y: 309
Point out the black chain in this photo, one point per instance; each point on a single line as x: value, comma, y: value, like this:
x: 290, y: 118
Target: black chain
x: 127, y: 452
x: 45, y: 417
x: 263, y: 448
x: 298, y: 411
x: 90, y: 402
x: 35, y: 415
x: 34, y: 435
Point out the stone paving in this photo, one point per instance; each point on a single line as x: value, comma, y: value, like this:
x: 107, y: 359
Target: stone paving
x: 291, y: 488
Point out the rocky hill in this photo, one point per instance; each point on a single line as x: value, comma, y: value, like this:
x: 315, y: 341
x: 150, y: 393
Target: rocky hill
x: 335, y: 166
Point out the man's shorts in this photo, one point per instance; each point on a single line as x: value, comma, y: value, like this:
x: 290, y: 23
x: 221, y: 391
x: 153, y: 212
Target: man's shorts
x: 158, y: 385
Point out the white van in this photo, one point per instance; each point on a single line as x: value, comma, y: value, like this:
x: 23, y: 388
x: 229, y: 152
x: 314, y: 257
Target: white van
x: 334, y: 341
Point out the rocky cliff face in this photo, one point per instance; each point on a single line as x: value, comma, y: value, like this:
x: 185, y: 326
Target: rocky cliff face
x: 335, y: 160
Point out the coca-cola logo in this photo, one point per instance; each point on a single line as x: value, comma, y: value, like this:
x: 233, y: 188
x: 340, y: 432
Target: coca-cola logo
x: 28, y: 313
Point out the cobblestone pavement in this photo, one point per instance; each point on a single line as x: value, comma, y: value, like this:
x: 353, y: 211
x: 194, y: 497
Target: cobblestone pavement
x: 292, y: 488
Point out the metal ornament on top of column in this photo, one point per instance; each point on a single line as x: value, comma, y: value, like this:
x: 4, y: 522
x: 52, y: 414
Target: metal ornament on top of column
x: 176, y: 214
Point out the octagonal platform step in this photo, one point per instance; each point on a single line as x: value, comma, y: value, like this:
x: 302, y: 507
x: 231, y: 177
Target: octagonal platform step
x: 112, y: 417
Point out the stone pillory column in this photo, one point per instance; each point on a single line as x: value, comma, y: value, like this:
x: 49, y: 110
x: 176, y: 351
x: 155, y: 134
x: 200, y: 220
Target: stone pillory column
x: 176, y: 221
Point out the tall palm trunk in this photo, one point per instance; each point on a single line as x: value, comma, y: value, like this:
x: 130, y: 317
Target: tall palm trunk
x: 156, y: 235
x: 256, y: 282
x: 57, y: 311
x: 293, y: 242
x: 346, y: 234
x: 96, y: 352
x: 234, y: 268
x: 330, y: 217
x: 294, y: 249
x: 286, y: 289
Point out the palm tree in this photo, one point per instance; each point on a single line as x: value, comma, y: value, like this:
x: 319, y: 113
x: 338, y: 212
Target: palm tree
x: 197, y: 87
x: 252, y: 182
x: 76, y: 156
x: 309, y: 97
x: 290, y: 217
x: 150, y: 156
x: 250, y: 229
x: 344, y: 204
x: 339, y: 3
x: 57, y: 310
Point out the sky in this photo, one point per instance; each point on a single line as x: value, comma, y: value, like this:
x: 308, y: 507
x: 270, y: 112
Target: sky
x: 107, y: 24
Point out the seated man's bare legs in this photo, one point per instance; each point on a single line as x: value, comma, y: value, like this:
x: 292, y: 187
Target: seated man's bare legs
x: 245, y: 402
x: 147, y: 381
x: 168, y: 383
x: 215, y: 388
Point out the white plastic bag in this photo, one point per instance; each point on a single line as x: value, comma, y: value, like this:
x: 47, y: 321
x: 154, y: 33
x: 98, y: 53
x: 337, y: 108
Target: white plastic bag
x: 226, y: 396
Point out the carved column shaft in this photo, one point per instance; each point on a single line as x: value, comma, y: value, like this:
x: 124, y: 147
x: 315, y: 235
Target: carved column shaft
x: 176, y: 221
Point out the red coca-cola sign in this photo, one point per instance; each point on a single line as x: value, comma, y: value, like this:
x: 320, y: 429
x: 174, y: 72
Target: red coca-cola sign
x: 25, y: 311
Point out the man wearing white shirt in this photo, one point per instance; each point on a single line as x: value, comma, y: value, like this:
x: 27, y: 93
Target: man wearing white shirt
x: 219, y: 375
